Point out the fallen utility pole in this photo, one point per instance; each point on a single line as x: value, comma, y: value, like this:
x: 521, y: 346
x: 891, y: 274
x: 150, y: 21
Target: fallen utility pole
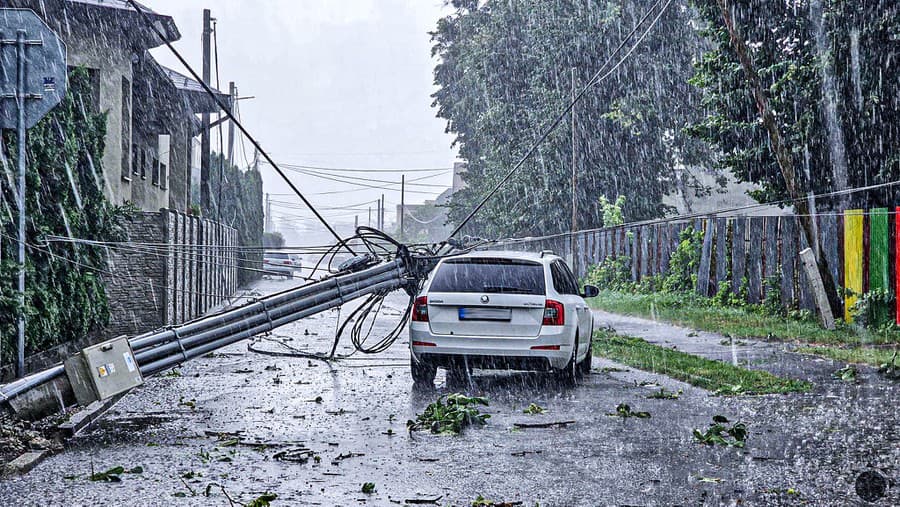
x: 43, y: 392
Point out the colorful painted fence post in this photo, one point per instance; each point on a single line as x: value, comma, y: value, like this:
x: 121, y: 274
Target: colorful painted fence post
x: 879, y: 261
x: 853, y: 259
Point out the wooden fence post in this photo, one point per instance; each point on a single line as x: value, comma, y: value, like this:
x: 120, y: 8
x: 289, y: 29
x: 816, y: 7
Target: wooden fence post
x: 664, y: 243
x: 705, y: 258
x: 788, y: 255
x: 721, y: 252
x: 771, y: 252
x: 811, y: 268
x: 754, y: 259
x: 738, y: 253
x: 853, y: 258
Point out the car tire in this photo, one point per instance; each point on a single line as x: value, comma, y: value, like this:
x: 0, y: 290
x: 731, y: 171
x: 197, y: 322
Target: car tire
x: 568, y: 375
x: 422, y: 373
x: 586, y: 363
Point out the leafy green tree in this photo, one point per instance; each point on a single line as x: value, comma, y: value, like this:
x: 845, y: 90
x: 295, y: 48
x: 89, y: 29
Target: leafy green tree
x: 505, y: 71
x: 833, y: 83
x: 238, y: 202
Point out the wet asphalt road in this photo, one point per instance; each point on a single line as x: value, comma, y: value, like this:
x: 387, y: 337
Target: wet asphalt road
x: 801, y: 449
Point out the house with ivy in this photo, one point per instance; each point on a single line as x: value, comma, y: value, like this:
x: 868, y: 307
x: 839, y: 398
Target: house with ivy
x: 129, y: 255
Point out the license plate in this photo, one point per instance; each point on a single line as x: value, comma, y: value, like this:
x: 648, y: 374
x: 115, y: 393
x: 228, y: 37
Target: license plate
x: 485, y: 314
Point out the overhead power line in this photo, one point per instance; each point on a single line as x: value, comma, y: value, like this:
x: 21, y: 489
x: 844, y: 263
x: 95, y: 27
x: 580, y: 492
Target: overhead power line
x: 364, y: 170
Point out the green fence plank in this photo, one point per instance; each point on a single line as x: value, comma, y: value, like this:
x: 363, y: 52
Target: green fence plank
x: 879, y: 260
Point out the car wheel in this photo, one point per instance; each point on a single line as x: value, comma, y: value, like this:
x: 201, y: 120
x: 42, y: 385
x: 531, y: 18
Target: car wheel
x: 568, y: 374
x: 585, y: 365
x: 422, y: 373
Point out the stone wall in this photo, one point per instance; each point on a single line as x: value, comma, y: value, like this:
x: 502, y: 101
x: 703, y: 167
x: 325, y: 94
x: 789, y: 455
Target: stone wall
x: 176, y: 268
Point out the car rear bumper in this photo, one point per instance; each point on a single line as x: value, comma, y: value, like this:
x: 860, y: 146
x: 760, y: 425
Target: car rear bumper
x: 494, y: 352
x: 278, y: 270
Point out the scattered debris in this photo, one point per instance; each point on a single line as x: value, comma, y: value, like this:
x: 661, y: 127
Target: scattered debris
x: 847, y: 373
x: 295, y: 455
x: 612, y: 369
x: 714, y: 480
x: 114, y: 474
x: 191, y: 403
x: 534, y: 409
x: 524, y: 453
x: 719, y: 433
x: 451, y: 418
x: 244, y: 370
x: 174, y: 373
x: 272, y: 367
x: 423, y: 501
x: 623, y: 410
x: 665, y: 394
x: 483, y: 502
x: 647, y: 383
x: 557, y: 424
x: 342, y: 457
x: 730, y: 341
x: 262, y: 500
x: 368, y: 488
x: 890, y: 369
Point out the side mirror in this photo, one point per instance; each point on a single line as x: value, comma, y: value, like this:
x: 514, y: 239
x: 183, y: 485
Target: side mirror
x: 590, y: 291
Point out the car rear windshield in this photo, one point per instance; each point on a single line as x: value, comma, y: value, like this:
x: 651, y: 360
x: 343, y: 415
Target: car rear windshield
x: 508, y: 276
x: 277, y: 255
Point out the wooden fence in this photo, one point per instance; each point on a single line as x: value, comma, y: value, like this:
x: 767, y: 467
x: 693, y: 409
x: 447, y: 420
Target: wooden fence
x: 755, y: 254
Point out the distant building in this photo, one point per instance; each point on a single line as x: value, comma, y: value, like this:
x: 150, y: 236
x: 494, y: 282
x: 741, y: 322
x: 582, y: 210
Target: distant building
x: 714, y: 197
x: 151, y: 111
x: 428, y: 221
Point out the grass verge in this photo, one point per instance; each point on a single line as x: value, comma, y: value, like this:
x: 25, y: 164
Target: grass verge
x: 716, y: 376
x: 700, y: 313
x: 868, y: 355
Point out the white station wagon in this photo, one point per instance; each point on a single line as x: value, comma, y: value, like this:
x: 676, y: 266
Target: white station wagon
x: 501, y: 310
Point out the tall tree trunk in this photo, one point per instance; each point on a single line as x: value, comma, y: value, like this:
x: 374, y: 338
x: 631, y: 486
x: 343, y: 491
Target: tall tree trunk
x: 782, y: 155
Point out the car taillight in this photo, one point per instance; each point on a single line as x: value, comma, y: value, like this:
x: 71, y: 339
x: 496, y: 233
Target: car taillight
x: 420, y: 309
x: 554, y: 313
x: 288, y: 262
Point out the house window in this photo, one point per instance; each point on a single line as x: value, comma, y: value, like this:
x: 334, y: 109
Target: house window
x: 144, y: 164
x: 154, y: 171
x: 163, y: 176
x: 126, y: 129
x: 136, y: 160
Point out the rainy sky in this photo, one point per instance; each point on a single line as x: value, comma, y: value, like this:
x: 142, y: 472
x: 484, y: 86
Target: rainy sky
x: 342, y: 84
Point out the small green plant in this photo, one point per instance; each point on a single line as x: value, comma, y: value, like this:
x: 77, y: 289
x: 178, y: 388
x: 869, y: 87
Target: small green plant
x: 612, y: 211
x: 368, y: 488
x: 262, y: 500
x: 612, y: 273
x: 534, y: 409
x: 624, y: 411
x: 719, y: 432
x: 870, y: 309
x: 847, y: 373
x: 684, y: 262
x: 664, y: 394
x: 459, y: 412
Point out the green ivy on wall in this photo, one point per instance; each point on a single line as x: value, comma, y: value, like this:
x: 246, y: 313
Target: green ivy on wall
x: 65, y: 297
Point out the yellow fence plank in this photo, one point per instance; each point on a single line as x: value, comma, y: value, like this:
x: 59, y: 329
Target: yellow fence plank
x: 853, y: 258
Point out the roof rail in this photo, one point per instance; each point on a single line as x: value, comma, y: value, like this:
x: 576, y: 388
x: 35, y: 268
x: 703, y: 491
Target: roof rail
x: 546, y: 252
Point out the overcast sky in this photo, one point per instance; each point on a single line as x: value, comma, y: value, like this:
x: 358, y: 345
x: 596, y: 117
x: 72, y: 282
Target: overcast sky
x: 338, y: 83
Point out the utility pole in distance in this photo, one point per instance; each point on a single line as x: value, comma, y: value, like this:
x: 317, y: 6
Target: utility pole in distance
x: 204, y: 118
x: 370, y: 216
x: 574, y: 179
x: 232, y: 90
x: 402, y: 203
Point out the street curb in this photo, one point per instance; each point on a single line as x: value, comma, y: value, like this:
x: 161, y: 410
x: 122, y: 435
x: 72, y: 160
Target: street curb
x: 82, y: 418
x: 24, y: 463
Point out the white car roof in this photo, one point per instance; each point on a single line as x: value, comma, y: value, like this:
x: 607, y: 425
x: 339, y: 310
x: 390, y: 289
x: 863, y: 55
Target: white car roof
x: 509, y: 254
